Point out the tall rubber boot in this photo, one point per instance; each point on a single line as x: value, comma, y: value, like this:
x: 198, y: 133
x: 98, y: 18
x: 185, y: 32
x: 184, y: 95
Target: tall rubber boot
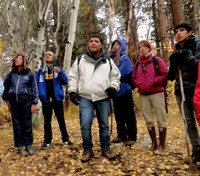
x: 152, y: 133
x: 162, y: 139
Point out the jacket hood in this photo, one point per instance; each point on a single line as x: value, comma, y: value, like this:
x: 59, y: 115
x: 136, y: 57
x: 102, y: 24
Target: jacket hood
x: 122, y: 43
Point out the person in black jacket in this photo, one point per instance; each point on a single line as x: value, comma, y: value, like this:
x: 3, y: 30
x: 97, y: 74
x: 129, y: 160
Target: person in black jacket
x: 21, y: 96
x: 185, y: 59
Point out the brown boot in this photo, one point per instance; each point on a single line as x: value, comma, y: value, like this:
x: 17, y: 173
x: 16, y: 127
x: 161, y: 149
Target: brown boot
x: 162, y: 139
x: 109, y: 155
x: 152, y: 133
x: 86, y: 156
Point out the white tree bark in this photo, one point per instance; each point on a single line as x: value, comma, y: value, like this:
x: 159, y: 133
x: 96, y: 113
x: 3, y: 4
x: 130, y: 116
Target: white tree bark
x: 111, y: 20
x: 71, y: 37
x: 42, y: 19
x: 11, y: 25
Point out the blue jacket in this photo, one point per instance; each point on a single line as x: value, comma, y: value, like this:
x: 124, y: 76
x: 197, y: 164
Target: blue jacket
x: 20, y: 87
x: 1, y: 87
x: 125, y: 68
x: 59, y: 79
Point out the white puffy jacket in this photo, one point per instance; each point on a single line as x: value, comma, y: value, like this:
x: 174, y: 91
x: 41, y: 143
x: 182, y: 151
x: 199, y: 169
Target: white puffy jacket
x: 90, y: 79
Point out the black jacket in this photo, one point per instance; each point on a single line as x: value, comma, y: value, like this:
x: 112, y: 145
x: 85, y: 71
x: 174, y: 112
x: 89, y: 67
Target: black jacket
x: 185, y: 58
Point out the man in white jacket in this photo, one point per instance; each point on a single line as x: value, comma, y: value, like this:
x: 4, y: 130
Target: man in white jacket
x: 93, y: 80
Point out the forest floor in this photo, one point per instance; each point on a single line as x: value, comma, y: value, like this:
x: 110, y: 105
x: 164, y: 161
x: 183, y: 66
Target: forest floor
x: 65, y: 160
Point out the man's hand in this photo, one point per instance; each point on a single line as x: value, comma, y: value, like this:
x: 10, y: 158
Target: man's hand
x: 33, y: 108
x: 56, y: 69
x: 74, y: 97
x: 111, y: 92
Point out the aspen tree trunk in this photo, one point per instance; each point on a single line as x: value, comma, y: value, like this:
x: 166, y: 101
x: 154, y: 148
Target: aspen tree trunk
x: 163, y: 29
x: 71, y: 37
x: 156, y: 27
x: 196, y: 15
x: 177, y: 12
x: 42, y: 18
x: 11, y: 24
x: 130, y: 8
x: 111, y: 20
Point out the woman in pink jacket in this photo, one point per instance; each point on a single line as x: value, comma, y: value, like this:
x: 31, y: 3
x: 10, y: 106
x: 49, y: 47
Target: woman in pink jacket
x: 149, y: 81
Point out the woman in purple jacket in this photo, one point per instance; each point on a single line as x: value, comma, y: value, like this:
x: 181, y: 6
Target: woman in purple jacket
x: 149, y: 82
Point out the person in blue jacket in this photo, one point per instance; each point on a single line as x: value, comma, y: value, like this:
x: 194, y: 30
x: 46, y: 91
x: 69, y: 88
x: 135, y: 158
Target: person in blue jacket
x: 21, y: 96
x: 123, y: 101
x: 50, y: 79
x: 1, y: 90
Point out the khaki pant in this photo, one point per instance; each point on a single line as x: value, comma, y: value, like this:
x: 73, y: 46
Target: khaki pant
x: 154, y: 105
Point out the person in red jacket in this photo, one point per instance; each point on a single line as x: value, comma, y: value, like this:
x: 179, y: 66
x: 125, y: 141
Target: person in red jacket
x: 197, y: 96
x: 149, y: 82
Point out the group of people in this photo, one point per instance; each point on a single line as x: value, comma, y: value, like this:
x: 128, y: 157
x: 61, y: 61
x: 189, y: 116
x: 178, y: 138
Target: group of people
x: 94, y: 80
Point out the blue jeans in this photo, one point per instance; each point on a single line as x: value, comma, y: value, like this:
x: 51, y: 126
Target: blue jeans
x: 191, y: 122
x: 86, y: 110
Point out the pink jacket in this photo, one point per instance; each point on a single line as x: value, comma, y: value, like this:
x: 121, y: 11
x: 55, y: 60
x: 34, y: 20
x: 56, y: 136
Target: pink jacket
x: 147, y: 79
x: 197, y: 96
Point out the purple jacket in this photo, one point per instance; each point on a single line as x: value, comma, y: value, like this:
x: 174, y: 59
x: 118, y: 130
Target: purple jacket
x: 147, y: 79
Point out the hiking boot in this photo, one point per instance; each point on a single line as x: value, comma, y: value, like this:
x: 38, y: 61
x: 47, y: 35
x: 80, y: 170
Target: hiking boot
x: 22, y: 152
x: 45, y: 146
x: 109, y: 155
x: 86, y: 156
x: 68, y: 142
x: 116, y: 140
x: 152, y: 134
x: 195, y: 157
x: 129, y: 143
x: 30, y: 150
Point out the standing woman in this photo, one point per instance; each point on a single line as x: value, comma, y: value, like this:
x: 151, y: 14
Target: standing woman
x: 21, y: 96
x: 149, y: 82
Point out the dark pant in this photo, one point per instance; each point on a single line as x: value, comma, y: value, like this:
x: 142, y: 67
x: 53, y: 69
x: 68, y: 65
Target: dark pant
x: 192, y: 128
x: 47, y: 109
x: 125, y: 117
x: 22, y: 123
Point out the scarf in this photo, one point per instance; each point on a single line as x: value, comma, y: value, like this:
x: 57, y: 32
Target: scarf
x: 115, y: 55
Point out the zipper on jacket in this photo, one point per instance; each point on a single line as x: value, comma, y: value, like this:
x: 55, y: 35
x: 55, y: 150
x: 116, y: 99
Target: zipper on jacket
x: 17, y: 86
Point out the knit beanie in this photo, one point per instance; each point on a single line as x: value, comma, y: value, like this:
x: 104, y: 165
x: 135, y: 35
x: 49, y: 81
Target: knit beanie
x: 49, y: 52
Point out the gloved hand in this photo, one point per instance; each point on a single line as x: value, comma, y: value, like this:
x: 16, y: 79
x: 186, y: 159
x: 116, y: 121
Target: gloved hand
x: 179, y: 56
x: 111, y: 91
x: 74, y: 97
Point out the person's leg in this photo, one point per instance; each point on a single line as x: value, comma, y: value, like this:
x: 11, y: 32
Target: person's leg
x: 158, y: 104
x: 130, y: 117
x: 102, y: 110
x: 47, y: 113
x: 148, y: 116
x: 59, y: 112
x: 192, y: 129
x: 86, y: 110
x: 27, y: 125
x: 119, y: 117
x: 17, y: 124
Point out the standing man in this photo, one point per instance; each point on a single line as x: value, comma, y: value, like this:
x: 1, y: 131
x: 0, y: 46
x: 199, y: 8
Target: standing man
x: 93, y: 80
x: 123, y: 101
x: 185, y: 58
x: 50, y: 79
